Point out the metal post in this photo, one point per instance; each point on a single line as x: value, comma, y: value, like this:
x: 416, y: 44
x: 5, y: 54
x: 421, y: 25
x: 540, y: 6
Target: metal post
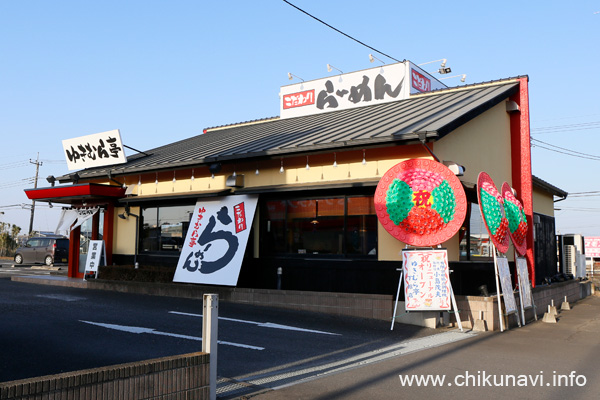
x: 279, y: 273
x: 397, y: 298
x: 210, y: 328
x: 500, y: 316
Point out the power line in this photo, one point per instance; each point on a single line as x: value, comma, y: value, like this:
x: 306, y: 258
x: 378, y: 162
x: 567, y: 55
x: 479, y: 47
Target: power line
x: 582, y: 195
x: 54, y: 161
x: 570, y: 117
x: 337, y: 30
x: 15, y: 164
x: 572, y: 153
x: 565, y: 128
x: 595, y: 192
x: 580, y: 209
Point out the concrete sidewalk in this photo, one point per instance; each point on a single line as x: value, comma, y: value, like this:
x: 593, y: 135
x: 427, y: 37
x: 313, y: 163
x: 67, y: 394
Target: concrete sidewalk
x: 547, y: 361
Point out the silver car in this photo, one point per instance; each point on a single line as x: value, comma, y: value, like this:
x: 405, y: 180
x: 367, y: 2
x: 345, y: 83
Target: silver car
x: 43, y: 250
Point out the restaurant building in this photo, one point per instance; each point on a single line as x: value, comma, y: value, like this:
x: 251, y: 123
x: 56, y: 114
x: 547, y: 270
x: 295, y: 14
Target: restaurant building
x: 314, y: 170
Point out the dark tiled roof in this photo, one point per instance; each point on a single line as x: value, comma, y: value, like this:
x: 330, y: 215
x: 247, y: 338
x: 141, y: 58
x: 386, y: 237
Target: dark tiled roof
x: 553, y: 190
x: 434, y: 114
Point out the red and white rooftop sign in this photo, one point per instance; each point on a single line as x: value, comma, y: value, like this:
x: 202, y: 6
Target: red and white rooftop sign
x: 592, y: 246
x: 377, y: 85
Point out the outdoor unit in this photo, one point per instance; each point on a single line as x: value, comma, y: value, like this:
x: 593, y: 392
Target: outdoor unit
x: 572, y: 254
x: 570, y: 260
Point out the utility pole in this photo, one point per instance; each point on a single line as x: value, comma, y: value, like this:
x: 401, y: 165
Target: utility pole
x: 37, y: 170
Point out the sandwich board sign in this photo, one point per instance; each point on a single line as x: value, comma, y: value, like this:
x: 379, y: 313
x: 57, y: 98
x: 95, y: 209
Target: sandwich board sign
x: 426, y: 280
x: 96, y: 256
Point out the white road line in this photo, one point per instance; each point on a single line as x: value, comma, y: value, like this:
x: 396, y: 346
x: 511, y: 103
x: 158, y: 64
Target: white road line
x: 62, y: 297
x: 261, y: 324
x: 138, y: 330
x: 276, y: 380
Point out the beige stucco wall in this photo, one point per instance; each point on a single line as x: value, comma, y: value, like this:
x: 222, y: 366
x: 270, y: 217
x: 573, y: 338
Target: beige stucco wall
x: 543, y: 202
x: 124, y: 231
x: 482, y: 144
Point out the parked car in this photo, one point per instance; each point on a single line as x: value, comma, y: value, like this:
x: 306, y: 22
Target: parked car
x: 46, y: 250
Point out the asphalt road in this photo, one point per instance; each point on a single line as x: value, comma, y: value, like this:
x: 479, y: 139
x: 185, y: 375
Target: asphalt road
x: 50, y: 329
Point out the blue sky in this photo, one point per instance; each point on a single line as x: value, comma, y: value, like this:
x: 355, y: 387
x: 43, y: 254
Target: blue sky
x: 161, y: 71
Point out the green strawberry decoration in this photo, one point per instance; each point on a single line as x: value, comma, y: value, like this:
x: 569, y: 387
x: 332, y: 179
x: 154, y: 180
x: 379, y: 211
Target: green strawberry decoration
x: 492, y: 210
x: 517, y: 220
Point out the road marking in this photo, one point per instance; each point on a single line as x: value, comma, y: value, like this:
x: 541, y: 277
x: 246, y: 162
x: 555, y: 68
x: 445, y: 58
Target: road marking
x: 23, y: 272
x: 261, y: 324
x: 275, y: 380
x: 62, y: 297
x: 138, y: 330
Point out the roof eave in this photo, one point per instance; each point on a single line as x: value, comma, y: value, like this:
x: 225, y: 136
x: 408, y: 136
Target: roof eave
x: 403, y: 139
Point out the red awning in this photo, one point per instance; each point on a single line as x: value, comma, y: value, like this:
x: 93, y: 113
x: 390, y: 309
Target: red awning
x: 89, y: 192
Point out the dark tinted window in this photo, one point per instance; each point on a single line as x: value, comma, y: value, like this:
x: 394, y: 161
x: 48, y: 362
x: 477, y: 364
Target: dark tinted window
x: 62, y: 243
x: 337, y: 226
x: 164, y: 228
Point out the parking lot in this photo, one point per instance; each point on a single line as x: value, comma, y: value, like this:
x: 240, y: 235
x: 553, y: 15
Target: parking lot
x: 8, y: 268
x: 51, y: 329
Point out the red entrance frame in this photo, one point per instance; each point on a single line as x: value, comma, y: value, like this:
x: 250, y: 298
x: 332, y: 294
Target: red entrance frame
x: 93, y: 194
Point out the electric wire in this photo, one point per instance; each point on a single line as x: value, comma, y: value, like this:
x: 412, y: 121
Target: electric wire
x: 565, y: 128
x: 580, y: 209
x: 557, y: 149
x: 345, y: 34
x: 569, y: 117
x: 16, y: 164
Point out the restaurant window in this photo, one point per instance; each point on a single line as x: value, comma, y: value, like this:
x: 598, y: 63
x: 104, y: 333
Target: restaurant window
x: 164, y: 228
x: 475, y: 243
x: 334, y: 226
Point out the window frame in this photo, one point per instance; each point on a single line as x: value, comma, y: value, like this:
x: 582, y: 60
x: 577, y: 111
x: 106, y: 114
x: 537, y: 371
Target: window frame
x: 267, y: 246
x: 156, y: 215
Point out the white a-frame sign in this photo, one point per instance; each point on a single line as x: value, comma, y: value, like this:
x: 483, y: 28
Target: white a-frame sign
x: 96, y: 256
x: 427, y: 284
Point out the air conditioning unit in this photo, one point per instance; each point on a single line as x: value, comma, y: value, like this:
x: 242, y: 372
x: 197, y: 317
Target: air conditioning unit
x: 570, y: 260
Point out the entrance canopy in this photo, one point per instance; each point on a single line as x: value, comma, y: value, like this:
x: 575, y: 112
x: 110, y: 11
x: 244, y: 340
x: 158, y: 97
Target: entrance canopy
x: 75, y: 194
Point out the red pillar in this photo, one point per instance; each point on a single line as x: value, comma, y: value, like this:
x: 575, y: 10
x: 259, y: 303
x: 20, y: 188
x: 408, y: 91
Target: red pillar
x: 521, y: 164
x: 74, y: 253
x: 108, y: 233
x: 95, y: 226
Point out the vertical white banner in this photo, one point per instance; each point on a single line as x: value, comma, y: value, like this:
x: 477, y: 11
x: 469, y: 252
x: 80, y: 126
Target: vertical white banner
x: 510, y: 305
x: 216, y: 240
x: 524, y: 287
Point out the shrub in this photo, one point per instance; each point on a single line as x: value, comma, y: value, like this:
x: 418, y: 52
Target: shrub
x: 142, y: 274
